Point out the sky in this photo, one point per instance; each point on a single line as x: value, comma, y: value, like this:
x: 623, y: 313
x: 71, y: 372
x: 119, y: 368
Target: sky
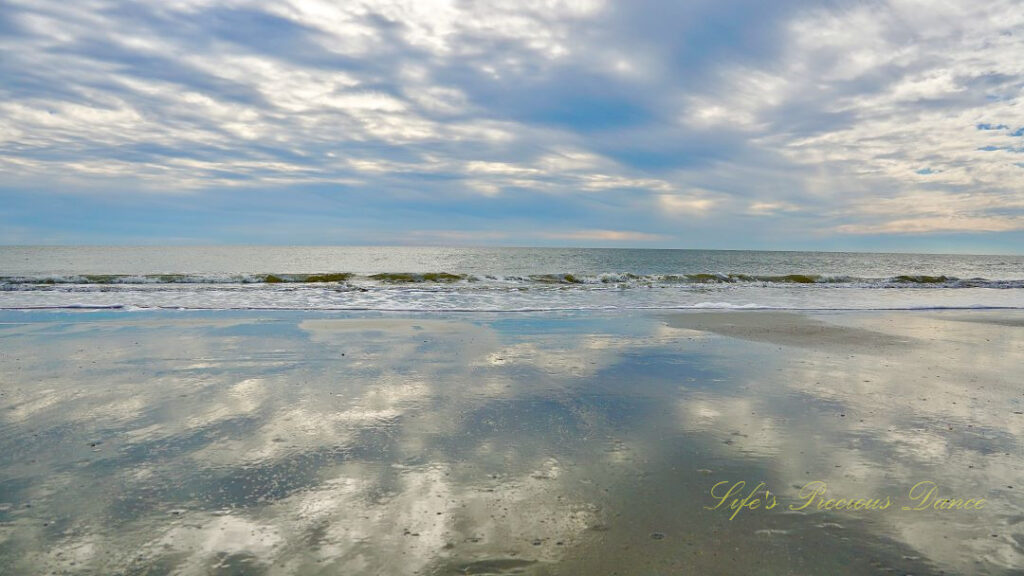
x: 890, y: 125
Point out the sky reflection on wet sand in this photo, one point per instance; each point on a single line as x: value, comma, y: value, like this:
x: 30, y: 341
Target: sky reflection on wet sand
x: 312, y: 443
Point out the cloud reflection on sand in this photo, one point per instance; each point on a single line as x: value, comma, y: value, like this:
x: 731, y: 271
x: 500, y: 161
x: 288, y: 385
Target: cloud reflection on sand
x: 940, y: 412
x: 298, y: 444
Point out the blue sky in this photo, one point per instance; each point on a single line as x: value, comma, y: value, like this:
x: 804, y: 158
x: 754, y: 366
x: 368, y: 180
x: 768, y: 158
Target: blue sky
x: 884, y: 125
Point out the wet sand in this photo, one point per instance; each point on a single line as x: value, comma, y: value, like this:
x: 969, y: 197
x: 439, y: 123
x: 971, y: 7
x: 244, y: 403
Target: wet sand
x: 312, y: 443
x: 789, y: 329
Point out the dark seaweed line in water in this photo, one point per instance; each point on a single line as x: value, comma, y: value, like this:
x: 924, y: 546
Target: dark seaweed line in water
x: 569, y: 279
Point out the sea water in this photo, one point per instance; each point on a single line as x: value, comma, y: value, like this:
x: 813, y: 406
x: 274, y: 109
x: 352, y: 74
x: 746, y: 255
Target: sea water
x: 498, y: 279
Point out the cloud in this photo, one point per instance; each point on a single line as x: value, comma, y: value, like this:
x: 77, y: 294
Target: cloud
x: 921, y: 212
x: 769, y: 208
x: 801, y: 114
x: 685, y: 205
x: 936, y: 224
x: 614, y: 235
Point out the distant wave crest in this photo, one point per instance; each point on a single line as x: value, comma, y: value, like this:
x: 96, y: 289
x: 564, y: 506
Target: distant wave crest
x: 618, y: 279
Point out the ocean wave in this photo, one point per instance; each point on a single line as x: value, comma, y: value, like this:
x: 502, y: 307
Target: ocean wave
x: 563, y: 279
x: 106, y: 279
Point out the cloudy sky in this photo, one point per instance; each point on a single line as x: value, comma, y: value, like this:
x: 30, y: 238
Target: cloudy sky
x: 882, y: 125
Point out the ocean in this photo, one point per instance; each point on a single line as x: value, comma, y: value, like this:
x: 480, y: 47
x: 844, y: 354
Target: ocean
x: 498, y: 279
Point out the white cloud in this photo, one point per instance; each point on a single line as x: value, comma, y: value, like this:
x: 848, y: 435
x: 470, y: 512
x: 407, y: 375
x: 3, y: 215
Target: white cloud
x: 908, y: 92
x: 768, y: 208
x: 691, y: 205
x: 605, y: 235
x: 847, y: 109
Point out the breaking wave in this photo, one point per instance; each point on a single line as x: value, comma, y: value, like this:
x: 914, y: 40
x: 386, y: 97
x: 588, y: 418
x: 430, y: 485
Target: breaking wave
x: 624, y: 279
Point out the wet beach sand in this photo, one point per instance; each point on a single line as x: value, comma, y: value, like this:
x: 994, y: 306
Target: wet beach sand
x: 251, y: 442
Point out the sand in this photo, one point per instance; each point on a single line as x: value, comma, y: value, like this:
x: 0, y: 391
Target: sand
x: 790, y: 329
x: 310, y: 443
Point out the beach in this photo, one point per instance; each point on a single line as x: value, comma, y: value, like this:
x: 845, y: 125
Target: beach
x: 575, y: 442
x: 545, y: 288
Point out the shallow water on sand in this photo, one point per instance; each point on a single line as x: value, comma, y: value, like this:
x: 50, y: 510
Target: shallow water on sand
x: 319, y: 443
